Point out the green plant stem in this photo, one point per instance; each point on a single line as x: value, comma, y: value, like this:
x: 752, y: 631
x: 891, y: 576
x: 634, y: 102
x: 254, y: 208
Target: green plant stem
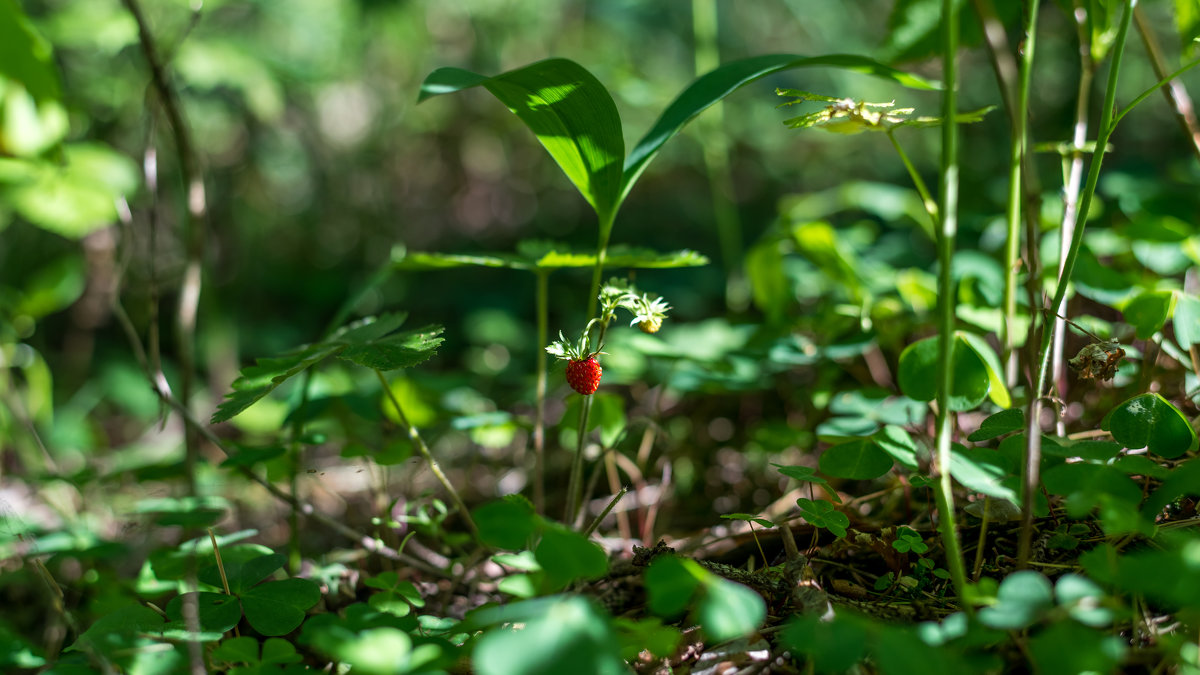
x: 1072, y: 181
x: 372, y: 544
x: 1175, y: 93
x: 194, y: 228
x: 428, y: 456
x: 716, y: 159
x: 604, y: 514
x: 947, y: 232
x: 1031, y: 466
x: 539, y: 417
x: 576, y: 478
x: 1019, y: 116
x: 575, y: 481
x: 927, y: 199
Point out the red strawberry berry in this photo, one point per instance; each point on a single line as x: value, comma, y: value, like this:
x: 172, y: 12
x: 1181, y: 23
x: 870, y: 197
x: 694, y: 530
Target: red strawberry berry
x: 584, y: 375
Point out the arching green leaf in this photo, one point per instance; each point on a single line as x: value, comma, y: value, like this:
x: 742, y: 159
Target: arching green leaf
x: 568, y: 110
x: 716, y: 85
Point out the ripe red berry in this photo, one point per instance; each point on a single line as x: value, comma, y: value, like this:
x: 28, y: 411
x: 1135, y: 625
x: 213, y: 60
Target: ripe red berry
x: 584, y: 375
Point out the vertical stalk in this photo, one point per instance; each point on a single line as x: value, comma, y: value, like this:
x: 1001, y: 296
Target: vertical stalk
x: 1175, y: 93
x: 573, y: 486
x: 1020, y: 150
x: 575, y: 483
x: 1072, y: 182
x: 1030, y: 470
x: 947, y: 232
x: 716, y: 159
x: 189, y: 292
x: 539, y: 420
x: 423, y: 449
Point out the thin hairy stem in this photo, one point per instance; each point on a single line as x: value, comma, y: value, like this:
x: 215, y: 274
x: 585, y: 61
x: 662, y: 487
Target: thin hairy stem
x: 432, y: 463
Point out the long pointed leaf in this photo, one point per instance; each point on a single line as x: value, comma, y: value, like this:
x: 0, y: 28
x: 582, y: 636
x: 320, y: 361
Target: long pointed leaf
x: 568, y: 110
x: 718, y: 84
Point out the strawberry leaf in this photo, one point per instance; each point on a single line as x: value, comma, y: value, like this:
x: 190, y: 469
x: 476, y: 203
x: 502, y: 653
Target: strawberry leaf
x: 371, y: 342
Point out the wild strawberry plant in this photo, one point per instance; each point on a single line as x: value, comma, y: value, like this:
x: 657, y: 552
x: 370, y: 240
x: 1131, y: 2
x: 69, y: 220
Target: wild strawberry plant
x: 947, y: 521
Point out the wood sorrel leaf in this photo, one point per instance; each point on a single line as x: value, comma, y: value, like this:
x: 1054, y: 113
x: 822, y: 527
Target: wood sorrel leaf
x: 1149, y: 311
x: 1150, y: 421
x: 860, y: 459
x: 918, y: 373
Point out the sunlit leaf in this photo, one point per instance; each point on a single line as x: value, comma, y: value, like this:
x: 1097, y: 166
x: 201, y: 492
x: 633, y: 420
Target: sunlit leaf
x: 1003, y: 422
x: 859, y: 459
x: 26, y: 56
x: 1149, y: 311
x: 918, y: 373
x: 729, y: 610
x: 569, y: 112
x: 1150, y: 421
x: 369, y: 342
x: 558, y: 630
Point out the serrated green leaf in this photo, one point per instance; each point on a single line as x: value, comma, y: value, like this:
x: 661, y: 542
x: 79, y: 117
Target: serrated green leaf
x: 370, y: 342
x: 401, y: 350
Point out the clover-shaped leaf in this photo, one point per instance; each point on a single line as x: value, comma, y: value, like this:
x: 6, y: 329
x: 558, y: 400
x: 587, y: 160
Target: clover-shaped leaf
x: 821, y: 513
x: 396, y: 596
x: 749, y: 518
x: 907, y: 540
x: 807, y: 474
x: 272, y: 608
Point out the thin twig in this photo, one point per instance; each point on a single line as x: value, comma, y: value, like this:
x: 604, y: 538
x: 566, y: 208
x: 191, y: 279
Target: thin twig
x: 369, y: 543
x: 432, y: 463
x: 189, y: 296
x: 604, y: 514
x: 1175, y: 93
